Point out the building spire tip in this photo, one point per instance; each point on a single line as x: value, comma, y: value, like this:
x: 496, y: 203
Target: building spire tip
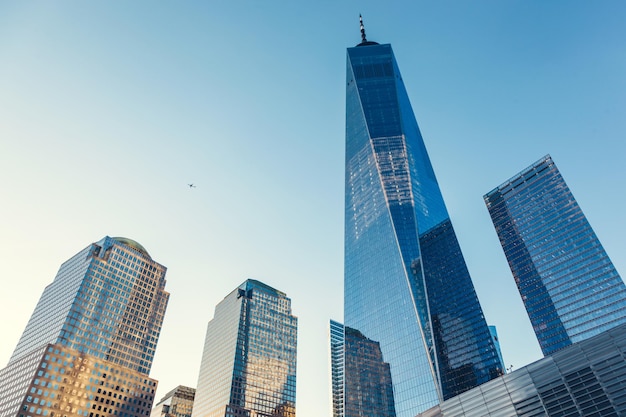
x: 363, y: 38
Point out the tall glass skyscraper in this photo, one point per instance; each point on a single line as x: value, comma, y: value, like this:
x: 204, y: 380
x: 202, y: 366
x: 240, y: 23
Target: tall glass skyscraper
x: 568, y: 284
x: 88, y: 347
x: 248, y: 364
x: 406, y: 282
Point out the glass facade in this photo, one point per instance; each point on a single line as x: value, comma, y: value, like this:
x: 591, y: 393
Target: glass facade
x: 176, y: 403
x: 568, y: 284
x: 496, y: 342
x: 361, y: 378
x: 406, y: 283
x: 88, y: 347
x: 586, y: 379
x: 249, y: 359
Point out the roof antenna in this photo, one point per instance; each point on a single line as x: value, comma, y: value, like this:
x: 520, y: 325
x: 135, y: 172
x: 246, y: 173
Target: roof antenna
x: 362, y: 29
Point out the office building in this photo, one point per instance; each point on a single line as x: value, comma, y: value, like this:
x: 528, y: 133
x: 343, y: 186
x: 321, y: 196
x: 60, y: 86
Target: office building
x: 568, y: 284
x: 249, y: 359
x: 88, y: 347
x: 587, y: 379
x: 176, y: 403
x: 406, y: 283
x: 361, y: 379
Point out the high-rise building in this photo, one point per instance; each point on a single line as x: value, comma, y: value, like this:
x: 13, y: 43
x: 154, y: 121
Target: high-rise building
x: 176, y: 403
x: 88, y: 347
x: 406, y: 283
x: 248, y: 364
x: 568, y: 284
x: 361, y: 379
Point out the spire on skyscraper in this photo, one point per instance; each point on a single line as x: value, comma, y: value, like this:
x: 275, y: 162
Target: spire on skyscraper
x: 364, y: 40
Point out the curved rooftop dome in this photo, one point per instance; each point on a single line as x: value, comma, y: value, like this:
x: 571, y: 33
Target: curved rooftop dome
x: 133, y: 244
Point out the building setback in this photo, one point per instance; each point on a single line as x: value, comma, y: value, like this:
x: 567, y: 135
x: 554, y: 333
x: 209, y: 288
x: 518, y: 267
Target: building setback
x: 249, y: 359
x: 406, y: 283
x: 586, y: 379
x: 88, y: 346
x: 568, y: 284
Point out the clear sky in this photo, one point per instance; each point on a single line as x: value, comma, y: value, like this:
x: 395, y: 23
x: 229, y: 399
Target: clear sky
x: 109, y: 109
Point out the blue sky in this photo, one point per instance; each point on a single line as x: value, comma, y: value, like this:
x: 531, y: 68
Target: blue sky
x: 109, y: 109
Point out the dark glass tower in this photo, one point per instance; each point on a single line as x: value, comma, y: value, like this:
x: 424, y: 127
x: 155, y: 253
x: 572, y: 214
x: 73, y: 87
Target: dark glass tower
x: 568, y: 284
x: 406, y: 282
x: 361, y: 379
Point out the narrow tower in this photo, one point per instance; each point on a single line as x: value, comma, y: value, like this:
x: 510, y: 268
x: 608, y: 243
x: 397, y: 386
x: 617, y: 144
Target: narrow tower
x: 568, y: 284
x: 406, y: 282
x: 249, y: 360
x: 88, y: 347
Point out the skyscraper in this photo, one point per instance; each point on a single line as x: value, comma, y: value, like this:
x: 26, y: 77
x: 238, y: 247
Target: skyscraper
x: 406, y: 283
x: 249, y: 360
x: 176, y: 403
x: 88, y: 347
x: 361, y: 379
x: 568, y: 284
